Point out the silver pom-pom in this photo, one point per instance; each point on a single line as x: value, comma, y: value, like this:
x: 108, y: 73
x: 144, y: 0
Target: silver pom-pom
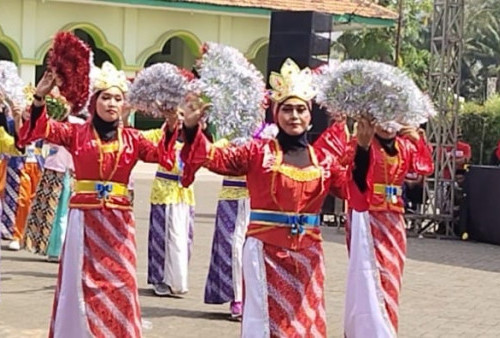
x: 11, y: 85
x: 235, y: 88
x: 158, y: 88
x: 267, y: 131
x: 372, y: 89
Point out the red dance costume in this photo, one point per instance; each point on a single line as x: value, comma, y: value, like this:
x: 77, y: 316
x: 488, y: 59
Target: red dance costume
x: 385, y: 237
x: 283, y: 266
x: 337, y: 139
x: 96, y: 293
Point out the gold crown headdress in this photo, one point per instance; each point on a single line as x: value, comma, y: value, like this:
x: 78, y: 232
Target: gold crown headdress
x: 292, y: 82
x: 108, y: 76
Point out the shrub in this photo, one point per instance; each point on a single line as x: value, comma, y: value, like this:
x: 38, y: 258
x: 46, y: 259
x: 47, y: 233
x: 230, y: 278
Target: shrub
x: 480, y: 125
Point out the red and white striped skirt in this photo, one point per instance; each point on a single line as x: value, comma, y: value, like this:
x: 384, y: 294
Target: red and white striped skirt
x: 283, y: 291
x: 96, y: 293
x: 377, y: 242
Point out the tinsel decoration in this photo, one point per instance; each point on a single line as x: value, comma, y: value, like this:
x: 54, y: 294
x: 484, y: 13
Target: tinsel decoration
x: 234, y: 87
x: 11, y: 85
x: 266, y: 131
x: 371, y: 89
x: 159, y: 88
x: 423, y: 112
x: 71, y: 59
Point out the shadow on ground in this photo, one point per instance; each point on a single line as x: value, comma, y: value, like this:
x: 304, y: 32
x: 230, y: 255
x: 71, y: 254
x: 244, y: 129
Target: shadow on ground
x: 160, y: 312
x: 466, y: 254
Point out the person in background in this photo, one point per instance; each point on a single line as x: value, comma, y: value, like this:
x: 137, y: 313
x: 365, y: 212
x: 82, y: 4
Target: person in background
x: 463, y: 155
x: 171, y: 223
x: 23, y: 174
x: 495, y: 156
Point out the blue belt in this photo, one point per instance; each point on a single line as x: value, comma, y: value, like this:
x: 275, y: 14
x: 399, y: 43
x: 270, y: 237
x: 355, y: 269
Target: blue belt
x: 295, y: 221
x: 239, y: 184
x: 166, y: 176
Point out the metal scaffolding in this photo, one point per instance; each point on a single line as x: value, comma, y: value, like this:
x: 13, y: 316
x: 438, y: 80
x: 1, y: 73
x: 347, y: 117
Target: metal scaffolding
x: 444, y: 87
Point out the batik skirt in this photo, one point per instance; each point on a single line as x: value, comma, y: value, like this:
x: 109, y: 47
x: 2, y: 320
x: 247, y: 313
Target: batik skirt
x: 284, y: 291
x: 170, y: 243
x: 43, y: 211
x: 377, y: 255
x: 96, y: 293
x: 224, y: 280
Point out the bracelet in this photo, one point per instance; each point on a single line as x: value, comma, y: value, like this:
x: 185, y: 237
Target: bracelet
x: 37, y: 97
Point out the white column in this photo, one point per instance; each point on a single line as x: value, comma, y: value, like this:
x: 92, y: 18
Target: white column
x: 28, y: 29
x: 27, y: 73
x: 225, y: 29
x: 28, y: 40
x: 129, y: 43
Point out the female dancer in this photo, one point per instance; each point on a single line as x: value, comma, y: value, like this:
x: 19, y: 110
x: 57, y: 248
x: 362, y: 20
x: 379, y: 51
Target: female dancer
x: 23, y: 174
x: 171, y: 224
x: 46, y: 225
x: 96, y: 293
x: 287, y: 179
x: 225, y: 275
x: 377, y: 237
x: 225, y: 281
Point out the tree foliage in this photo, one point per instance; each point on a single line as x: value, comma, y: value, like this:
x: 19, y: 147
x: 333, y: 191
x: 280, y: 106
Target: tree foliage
x: 379, y: 44
x: 482, y: 47
x: 480, y: 125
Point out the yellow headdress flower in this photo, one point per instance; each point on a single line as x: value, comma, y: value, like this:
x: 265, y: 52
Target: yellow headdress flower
x: 28, y: 91
x: 108, y: 76
x: 292, y: 82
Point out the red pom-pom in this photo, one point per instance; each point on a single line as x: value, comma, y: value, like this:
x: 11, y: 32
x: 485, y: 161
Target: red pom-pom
x: 186, y: 73
x: 70, y: 60
x: 204, y: 48
x: 316, y: 70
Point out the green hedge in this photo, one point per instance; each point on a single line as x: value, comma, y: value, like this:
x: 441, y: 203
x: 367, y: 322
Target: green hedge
x: 480, y: 125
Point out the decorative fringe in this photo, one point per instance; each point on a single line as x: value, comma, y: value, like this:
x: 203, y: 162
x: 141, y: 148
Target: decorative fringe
x: 159, y: 88
x: 71, y: 60
x: 374, y: 90
x: 235, y: 88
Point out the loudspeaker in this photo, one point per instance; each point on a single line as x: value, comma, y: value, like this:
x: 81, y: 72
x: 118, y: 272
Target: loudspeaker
x: 482, y: 214
x: 304, y: 37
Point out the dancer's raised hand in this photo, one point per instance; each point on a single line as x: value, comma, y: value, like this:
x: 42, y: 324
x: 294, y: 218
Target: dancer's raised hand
x: 44, y: 87
x: 194, y: 109
x: 364, y: 132
x: 411, y: 133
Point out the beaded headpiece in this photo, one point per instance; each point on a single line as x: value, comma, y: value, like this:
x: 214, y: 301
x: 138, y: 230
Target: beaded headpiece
x: 108, y: 76
x: 292, y: 82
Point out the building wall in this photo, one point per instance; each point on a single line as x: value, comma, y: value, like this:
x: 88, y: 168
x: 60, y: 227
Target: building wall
x: 128, y: 34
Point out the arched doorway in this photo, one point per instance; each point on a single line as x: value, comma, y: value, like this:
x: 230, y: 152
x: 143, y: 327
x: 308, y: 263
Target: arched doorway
x: 174, y: 51
x: 99, y: 55
x: 260, y: 59
x: 5, y: 53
